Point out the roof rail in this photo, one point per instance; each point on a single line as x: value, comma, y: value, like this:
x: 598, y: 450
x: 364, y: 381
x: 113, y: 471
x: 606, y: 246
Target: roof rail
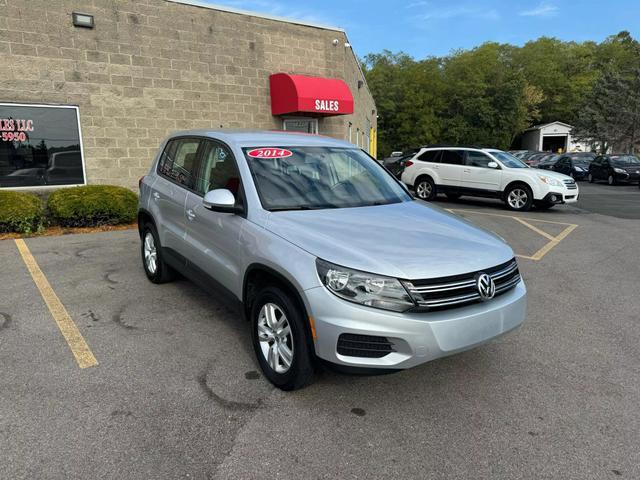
x: 451, y: 145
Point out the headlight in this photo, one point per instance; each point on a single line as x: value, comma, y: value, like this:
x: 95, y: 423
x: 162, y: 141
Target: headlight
x: 367, y: 289
x: 550, y: 181
x: 619, y: 170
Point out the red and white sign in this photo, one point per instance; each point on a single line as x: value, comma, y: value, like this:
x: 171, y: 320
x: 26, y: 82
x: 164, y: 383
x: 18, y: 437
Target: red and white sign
x: 269, y: 152
x: 299, y: 94
x: 13, y: 130
x: 328, y: 105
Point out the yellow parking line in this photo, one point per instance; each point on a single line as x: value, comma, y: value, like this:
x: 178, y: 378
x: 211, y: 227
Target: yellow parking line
x: 68, y: 328
x: 553, y: 241
x: 547, y: 248
x: 534, y: 228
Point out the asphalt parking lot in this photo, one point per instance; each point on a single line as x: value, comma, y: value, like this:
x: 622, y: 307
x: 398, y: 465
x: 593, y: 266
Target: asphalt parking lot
x: 173, y: 390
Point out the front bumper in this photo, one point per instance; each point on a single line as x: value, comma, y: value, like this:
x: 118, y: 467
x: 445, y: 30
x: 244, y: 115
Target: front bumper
x: 630, y: 177
x: 565, y: 196
x: 417, y: 337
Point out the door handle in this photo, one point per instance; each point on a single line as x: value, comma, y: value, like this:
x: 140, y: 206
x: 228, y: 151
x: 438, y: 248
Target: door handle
x: 156, y: 196
x: 191, y: 214
x: 466, y: 170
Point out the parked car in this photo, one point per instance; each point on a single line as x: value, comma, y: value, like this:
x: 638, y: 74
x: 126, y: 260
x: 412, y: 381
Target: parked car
x: 575, y: 164
x: 327, y: 255
x: 522, y: 154
x: 395, y: 164
x: 615, y: 168
x: 547, y: 161
x: 486, y: 172
x: 533, y: 159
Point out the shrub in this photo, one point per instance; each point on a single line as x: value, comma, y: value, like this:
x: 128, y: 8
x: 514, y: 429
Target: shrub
x: 92, y: 206
x: 20, y: 212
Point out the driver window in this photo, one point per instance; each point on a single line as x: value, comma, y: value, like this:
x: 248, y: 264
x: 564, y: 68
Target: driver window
x: 477, y: 159
x: 217, y: 170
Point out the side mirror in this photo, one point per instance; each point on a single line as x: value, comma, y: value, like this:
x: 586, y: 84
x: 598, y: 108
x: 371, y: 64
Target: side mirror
x: 492, y: 165
x: 221, y: 200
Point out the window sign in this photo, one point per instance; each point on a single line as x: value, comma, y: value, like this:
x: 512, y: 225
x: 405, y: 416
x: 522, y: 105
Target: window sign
x: 40, y: 145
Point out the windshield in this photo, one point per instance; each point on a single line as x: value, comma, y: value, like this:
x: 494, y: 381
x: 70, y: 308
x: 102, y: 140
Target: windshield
x: 302, y: 178
x: 509, y: 160
x: 625, y: 161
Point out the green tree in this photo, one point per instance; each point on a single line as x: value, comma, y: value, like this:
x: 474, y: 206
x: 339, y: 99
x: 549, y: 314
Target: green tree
x: 611, y: 114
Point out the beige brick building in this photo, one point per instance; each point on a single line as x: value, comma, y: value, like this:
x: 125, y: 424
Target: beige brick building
x: 151, y: 67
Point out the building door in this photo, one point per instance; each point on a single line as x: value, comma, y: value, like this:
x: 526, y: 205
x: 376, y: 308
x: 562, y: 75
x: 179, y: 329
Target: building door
x: 554, y: 143
x: 304, y: 125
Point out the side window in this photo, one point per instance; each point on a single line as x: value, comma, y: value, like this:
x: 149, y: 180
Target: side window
x: 430, y: 156
x: 218, y: 169
x: 605, y: 162
x: 178, y: 160
x: 477, y: 159
x: 453, y: 157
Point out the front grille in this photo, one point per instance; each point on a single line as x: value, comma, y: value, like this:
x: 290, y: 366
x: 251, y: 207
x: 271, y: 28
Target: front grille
x: 456, y: 291
x: 351, y: 345
x: 570, y: 184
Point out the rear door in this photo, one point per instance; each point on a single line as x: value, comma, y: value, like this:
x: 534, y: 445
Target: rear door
x: 176, y: 170
x: 477, y: 175
x: 450, y: 168
x: 213, y: 237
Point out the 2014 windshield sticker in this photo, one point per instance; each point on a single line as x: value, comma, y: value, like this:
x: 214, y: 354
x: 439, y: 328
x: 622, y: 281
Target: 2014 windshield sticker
x: 269, y: 152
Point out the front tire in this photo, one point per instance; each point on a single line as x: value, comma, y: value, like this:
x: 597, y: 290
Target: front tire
x: 611, y: 180
x: 590, y: 177
x: 154, y: 265
x: 518, y: 198
x: 280, y: 340
x: 425, y: 188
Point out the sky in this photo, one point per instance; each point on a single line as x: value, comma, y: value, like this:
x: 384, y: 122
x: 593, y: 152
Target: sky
x: 424, y: 28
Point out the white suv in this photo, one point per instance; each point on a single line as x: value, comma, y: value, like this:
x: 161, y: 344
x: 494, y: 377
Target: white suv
x: 486, y: 172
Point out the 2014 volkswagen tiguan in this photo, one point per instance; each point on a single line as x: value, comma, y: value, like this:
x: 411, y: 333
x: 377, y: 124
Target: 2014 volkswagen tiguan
x: 328, y: 255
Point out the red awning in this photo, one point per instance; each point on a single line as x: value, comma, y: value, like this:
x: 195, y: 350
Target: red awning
x: 309, y: 95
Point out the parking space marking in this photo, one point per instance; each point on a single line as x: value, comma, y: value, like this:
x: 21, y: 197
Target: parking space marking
x: 547, y: 248
x: 553, y: 240
x: 534, y: 228
x: 68, y: 328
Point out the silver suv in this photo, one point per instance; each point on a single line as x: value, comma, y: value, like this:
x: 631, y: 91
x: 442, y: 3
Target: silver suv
x: 326, y: 254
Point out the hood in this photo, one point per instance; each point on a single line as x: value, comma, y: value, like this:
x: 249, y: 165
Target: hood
x: 409, y: 240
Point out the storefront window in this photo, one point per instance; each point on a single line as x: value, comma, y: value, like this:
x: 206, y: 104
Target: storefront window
x: 39, y: 145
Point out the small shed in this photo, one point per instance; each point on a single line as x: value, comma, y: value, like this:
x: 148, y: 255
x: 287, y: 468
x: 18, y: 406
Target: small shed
x: 551, y: 137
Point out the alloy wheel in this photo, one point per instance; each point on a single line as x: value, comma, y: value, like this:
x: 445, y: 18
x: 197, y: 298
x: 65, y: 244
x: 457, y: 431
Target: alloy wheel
x: 517, y: 198
x: 610, y: 180
x: 424, y: 190
x: 276, y: 339
x: 150, y: 253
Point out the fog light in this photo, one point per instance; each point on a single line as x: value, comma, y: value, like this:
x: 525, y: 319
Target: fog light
x: 554, y: 198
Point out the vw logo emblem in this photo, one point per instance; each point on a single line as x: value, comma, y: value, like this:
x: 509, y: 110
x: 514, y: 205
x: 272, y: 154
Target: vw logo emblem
x: 486, y: 286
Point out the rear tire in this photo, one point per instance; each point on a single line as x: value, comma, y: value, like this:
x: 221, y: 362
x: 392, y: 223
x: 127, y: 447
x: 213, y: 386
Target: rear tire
x: 519, y: 198
x: 280, y: 340
x: 425, y: 188
x: 154, y: 265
